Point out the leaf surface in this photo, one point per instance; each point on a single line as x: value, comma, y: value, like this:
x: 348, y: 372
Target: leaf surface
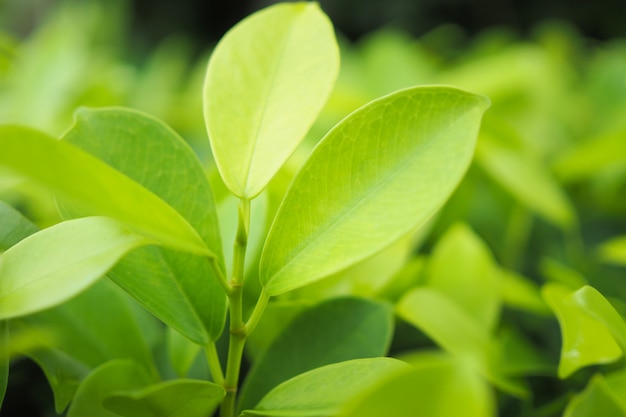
x: 96, y: 187
x: 13, y: 226
x: 70, y: 257
x: 179, y: 288
x: 596, y: 400
x: 267, y: 80
x: 324, y: 390
x: 177, y: 398
x: 380, y: 173
x: 333, y: 331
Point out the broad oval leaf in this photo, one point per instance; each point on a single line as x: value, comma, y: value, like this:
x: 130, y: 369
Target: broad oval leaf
x: 333, y: 331
x: 179, y: 288
x: 586, y: 340
x: 182, y: 397
x: 57, y: 263
x: 266, y: 82
x: 324, y: 390
x: 96, y: 186
x: 380, y: 173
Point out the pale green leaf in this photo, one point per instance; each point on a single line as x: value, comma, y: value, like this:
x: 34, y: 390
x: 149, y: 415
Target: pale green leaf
x: 379, y: 174
x: 113, y: 376
x: 267, y: 80
x: 431, y: 388
x: 461, y: 266
x: 178, y: 398
x: 596, y: 400
x: 467, y: 339
x: 586, y: 341
x: 97, y: 187
x: 614, y: 251
x: 179, y: 288
x: 13, y: 226
x: 323, y: 391
x: 53, y: 265
x: 333, y: 331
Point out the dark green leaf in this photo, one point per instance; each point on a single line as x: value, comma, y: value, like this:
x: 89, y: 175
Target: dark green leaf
x: 13, y: 226
x: 596, y: 400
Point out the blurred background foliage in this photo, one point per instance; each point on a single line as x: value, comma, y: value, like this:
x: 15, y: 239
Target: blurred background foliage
x: 546, y: 192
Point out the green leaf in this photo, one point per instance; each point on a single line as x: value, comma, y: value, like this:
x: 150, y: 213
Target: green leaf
x: 13, y: 226
x: 70, y: 257
x: 113, y: 376
x: 586, y: 341
x: 4, y: 359
x: 188, y: 398
x: 181, y: 352
x: 333, y: 331
x: 596, y: 400
x: 181, y: 289
x: 97, y: 187
x: 521, y: 293
x: 526, y: 178
x: 614, y: 251
x: 267, y: 80
x: 467, y: 339
x: 379, y: 174
x: 471, y: 280
x: 431, y: 388
x: 323, y: 391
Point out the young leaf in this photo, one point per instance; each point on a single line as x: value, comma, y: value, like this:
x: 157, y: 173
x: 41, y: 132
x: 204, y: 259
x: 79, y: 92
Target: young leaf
x: 13, y: 226
x: 586, y: 341
x: 267, y: 80
x: 380, y: 173
x: 113, y: 376
x: 57, y: 263
x: 179, y: 288
x: 334, y: 331
x: 324, y: 390
x: 96, y: 186
x: 182, y: 397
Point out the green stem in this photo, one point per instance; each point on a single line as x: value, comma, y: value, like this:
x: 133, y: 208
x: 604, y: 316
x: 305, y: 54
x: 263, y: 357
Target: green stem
x: 237, y: 326
x: 220, y: 275
x: 213, y: 361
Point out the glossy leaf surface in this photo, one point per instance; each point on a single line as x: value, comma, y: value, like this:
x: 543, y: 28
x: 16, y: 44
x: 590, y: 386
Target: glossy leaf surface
x: 96, y: 187
x: 113, y: 376
x: 323, y: 391
x: 13, y: 226
x: 178, y: 398
x: 586, y: 341
x: 333, y: 331
x: 267, y: 80
x: 380, y: 173
x: 70, y: 256
x: 179, y: 288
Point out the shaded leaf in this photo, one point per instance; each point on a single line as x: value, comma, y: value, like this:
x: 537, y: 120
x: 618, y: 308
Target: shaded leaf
x: 267, y: 80
x: 178, y: 398
x: 333, y: 331
x: 97, y: 187
x: 181, y: 352
x: 586, y: 341
x: 13, y: 226
x: 180, y: 289
x: 521, y: 293
x: 380, y: 173
x: 614, y: 251
x: 70, y: 257
x: 4, y: 359
x: 596, y: 400
x: 323, y: 391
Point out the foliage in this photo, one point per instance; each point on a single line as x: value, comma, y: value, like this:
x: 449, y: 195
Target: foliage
x: 332, y: 275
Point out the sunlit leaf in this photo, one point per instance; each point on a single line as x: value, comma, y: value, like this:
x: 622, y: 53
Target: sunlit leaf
x: 323, y: 391
x: 431, y: 388
x: 380, y: 173
x: 586, y: 341
x: 181, y: 289
x: 113, y: 376
x: 267, y: 80
x: 614, y: 251
x: 181, y: 397
x: 334, y: 331
x: 98, y: 188
x: 461, y: 266
x: 596, y: 400
x: 70, y: 257
x: 13, y: 226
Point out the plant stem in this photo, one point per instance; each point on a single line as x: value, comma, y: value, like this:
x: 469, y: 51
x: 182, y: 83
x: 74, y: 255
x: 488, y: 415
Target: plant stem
x: 237, y: 326
x: 213, y: 361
